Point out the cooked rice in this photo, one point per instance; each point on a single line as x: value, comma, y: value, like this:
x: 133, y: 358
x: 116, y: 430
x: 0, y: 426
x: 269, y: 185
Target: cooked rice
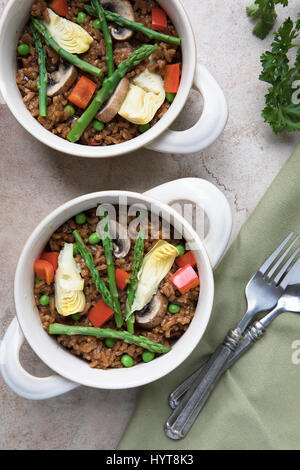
x: 59, y: 122
x: 93, y: 349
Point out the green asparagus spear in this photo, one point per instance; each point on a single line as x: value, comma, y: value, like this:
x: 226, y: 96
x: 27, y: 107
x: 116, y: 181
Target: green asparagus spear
x: 136, y: 266
x: 89, y: 261
x: 139, y: 27
x: 107, y: 37
x: 142, y: 341
x: 72, y: 59
x: 108, y: 249
x: 42, y: 80
x: 107, y: 89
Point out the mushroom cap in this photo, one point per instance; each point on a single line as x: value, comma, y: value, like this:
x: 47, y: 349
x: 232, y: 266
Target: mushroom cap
x: 153, y: 313
x: 113, y: 105
x: 61, y: 80
x: 123, y: 8
x: 121, y: 240
x: 119, y: 235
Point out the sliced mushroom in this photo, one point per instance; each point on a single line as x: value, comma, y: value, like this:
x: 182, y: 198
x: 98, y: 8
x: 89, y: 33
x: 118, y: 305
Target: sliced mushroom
x: 61, y: 80
x: 113, y: 105
x: 123, y: 8
x: 153, y: 314
x: 119, y: 235
x: 121, y: 240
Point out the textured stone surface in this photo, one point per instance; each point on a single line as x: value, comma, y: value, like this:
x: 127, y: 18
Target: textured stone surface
x: 35, y: 180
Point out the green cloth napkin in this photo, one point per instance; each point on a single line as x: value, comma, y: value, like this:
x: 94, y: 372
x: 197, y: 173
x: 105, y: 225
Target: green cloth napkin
x: 256, y: 405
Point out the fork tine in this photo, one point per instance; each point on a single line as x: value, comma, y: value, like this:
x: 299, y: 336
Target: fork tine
x: 263, y: 269
x: 285, y: 269
x: 279, y: 261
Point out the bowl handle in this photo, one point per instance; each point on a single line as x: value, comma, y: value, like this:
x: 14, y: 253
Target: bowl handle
x: 210, y: 125
x: 16, y: 377
x: 207, y: 196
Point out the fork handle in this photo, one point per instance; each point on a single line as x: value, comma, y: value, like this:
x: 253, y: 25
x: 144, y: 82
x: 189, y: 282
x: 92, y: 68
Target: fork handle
x: 192, y: 381
x: 176, y: 396
x: 254, y: 333
x: 185, y: 414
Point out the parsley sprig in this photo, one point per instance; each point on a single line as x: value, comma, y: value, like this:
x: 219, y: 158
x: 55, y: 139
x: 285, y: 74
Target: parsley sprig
x: 278, y: 70
x: 264, y: 11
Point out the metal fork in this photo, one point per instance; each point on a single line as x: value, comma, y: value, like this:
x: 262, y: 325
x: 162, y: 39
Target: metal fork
x: 288, y: 302
x: 262, y: 294
x: 252, y: 334
x: 265, y: 300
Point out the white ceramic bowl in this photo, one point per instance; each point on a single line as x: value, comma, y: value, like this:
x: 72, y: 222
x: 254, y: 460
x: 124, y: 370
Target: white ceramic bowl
x: 159, y: 138
x: 72, y: 371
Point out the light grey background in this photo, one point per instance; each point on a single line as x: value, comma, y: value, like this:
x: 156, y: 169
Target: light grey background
x: 35, y: 180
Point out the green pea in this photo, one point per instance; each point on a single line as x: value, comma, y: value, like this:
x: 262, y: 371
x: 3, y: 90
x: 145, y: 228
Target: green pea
x: 98, y: 125
x: 144, y: 128
x: 148, y: 356
x: 97, y: 24
x: 109, y: 343
x: 81, y: 17
x: 44, y: 300
x: 127, y: 360
x: 23, y: 49
x: 80, y: 219
x: 180, y: 249
x: 36, y: 280
x: 75, y: 249
x: 71, y: 109
x: 94, y: 238
x: 170, y: 97
x: 76, y: 316
x: 173, y: 308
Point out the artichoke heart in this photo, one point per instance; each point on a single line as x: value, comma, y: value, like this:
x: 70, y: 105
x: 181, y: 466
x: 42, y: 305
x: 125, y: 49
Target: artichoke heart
x: 156, y: 265
x: 70, y: 36
x: 69, y: 296
x: 145, y: 96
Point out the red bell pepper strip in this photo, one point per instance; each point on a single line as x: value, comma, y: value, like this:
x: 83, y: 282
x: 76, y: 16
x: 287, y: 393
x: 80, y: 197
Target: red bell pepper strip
x: 187, y: 258
x: 185, y: 279
x: 172, y: 78
x: 82, y: 92
x: 44, y: 270
x: 121, y: 278
x: 100, y: 314
x: 159, y: 19
x: 52, y: 257
x: 60, y: 7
